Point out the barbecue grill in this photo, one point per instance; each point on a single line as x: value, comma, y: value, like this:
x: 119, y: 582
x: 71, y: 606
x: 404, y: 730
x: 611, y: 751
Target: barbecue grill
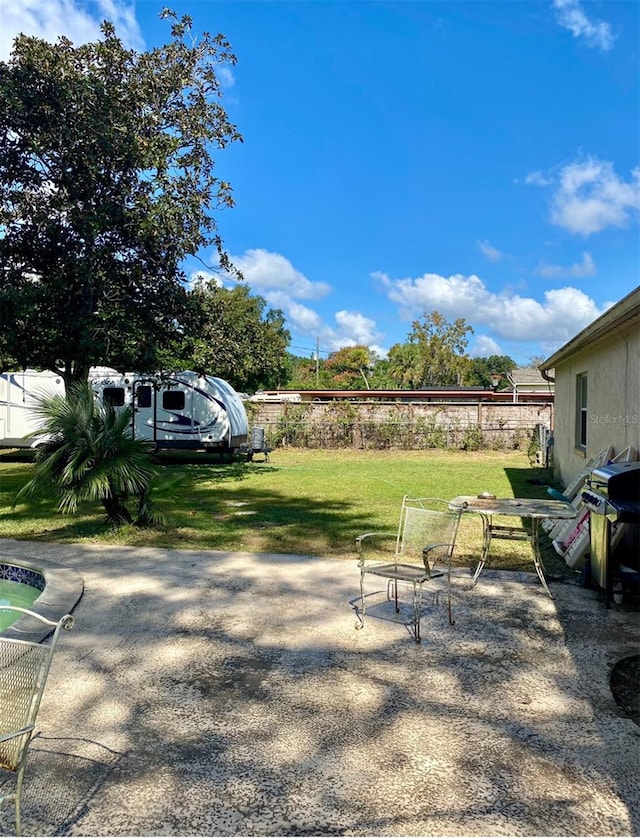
x: 612, y: 496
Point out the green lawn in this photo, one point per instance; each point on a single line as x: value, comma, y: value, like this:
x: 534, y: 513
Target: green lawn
x: 301, y: 501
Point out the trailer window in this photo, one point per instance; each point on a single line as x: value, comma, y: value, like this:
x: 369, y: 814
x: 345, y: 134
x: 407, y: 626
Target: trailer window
x: 113, y: 396
x: 143, y: 395
x: 173, y: 400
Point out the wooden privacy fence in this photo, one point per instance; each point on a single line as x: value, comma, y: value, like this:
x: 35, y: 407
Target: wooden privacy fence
x: 409, y: 426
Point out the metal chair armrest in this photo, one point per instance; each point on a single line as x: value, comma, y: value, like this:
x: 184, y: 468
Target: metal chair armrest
x: 430, y: 547
x: 366, y: 539
x: 426, y: 550
x: 366, y: 535
x: 5, y: 737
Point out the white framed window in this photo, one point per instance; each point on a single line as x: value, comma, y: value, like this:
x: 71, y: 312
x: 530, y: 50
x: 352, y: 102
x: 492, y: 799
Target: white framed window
x: 581, y: 411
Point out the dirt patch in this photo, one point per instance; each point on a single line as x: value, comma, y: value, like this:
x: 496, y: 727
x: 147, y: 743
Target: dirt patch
x: 625, y: 686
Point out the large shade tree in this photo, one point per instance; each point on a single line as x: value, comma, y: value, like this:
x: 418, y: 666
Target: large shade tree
x: 107, y: 182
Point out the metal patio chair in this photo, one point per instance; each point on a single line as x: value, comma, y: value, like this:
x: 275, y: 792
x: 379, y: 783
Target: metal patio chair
x: 24, y: 667
x: 425, y: 540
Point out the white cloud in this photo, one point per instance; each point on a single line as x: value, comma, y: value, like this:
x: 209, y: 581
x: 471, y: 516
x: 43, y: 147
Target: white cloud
x: 589, y: 196
x: 268, y: 272
x: 538, y: 179
x: 587, y: 267
x: 561, y: 315
x: 351, y: 328
x: 225, y: 76
x: 273, y: 277
x: 488, y: 250
x: 431, y: 291
x: 80, y: 22
x: 484, y: 346
x: 123, y: 17
x: 354, y: 329
x: 301, y: 318
x: 571, y: 16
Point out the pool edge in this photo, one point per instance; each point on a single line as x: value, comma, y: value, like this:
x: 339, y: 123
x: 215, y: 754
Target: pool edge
x: 63, y: 589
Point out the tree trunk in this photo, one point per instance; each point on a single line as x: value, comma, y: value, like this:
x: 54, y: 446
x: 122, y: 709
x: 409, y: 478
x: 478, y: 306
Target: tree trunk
x: 116, y: 511
x: 75, y: 371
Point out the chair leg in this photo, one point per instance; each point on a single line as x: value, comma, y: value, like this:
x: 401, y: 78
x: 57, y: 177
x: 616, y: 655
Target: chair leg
x: 360, y: 621
x: 18, y: 801
x: 392, y: 585
x: 417, y: 610
x: 486, y: 544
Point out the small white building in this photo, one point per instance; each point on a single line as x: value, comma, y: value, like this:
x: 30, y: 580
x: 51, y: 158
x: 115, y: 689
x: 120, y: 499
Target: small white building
x: 597, y: 388
x: 529, y: 381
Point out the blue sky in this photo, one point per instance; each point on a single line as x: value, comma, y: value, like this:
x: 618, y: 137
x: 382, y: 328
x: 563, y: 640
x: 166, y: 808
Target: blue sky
x: 476, y: 158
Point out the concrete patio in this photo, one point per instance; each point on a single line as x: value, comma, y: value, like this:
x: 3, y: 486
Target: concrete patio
x: 205, y: 693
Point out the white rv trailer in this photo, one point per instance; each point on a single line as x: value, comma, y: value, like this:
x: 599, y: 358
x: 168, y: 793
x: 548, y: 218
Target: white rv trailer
x: 181, y: 410
x: 19, y: 395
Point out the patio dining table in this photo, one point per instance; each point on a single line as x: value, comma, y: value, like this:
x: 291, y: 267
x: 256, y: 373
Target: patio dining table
x: 530, y: 510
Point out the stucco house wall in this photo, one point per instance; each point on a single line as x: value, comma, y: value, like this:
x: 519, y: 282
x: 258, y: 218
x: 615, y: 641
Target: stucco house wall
x: 608, y: 353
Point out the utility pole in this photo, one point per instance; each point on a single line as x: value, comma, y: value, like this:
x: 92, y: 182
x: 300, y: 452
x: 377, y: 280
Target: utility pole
x: 318, y: 361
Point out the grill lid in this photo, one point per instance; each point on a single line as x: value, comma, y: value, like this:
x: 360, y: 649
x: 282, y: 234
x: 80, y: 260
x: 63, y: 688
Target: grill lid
x: 617, y: 481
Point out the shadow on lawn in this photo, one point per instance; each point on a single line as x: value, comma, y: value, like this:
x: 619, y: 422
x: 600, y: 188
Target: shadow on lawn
x: 218, y: 507
x: 207, y: 518
x: 530, y: 482
x: 17, y: 455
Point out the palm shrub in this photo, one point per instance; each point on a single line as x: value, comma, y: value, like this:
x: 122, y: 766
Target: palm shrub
x: 153, y: 501
x: 88, y: 453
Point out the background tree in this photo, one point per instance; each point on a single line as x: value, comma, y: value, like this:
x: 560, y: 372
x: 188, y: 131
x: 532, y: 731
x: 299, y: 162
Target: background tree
x: 106, y: 183
x: 441, y: 346
x: 481, y: 369
x: 404, y: 366
x: 535, y: 361
x: 307, y: 373
x: 380, y: 379
x: 349, y: 368
x: 230, y: 333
